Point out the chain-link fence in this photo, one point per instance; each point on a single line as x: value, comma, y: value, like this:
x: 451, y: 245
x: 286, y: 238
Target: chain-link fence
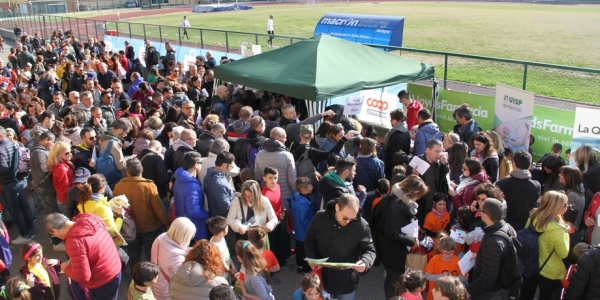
x: 555, y: 85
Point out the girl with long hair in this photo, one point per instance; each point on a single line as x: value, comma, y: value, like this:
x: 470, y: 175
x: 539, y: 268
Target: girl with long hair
x: 92, y: 200
x: 369, y: 169
x: 553, y: 246
x: 410, y: 285
x: 586, y: 160
x: 63, y: 171
x: 551, y: 166
x: 484, y: 151
x: 310, y: 288
x: 335, y: 133
x: 201, y: 271
x: 571, y: 178
x: 255, y: 279
x: 456, y: 158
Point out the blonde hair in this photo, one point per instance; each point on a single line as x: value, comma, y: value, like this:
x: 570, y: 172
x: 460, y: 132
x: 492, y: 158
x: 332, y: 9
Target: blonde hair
x: 254, y: 188
x: 450, y: 287
x: 498, y: 145
x: 182, y: 231
x: 54, y: 156
x: 551, y: 206
x: 585, y: 156
x: 413, y: 187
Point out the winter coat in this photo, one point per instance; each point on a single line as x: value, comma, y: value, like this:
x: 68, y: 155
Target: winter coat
x: 465, y: 132
x: 274, y: 154
x: 180, y: 148
x: 578, y: 200
x: 189, y: 201
x: 266, y: 217
x: 154, y: 169
x: 40, y: 291
x: 169, y: 56
x: 488, y: 263
x: 205, y: 141
x: 554, y: 237
x: 81, y: 158
x: 147, y: 209
x: 591, y: 181
x: 491, y: 165
x: 94, y: 259
x: 399, y: 140
x: 303, y: 212
x: 427, y: 131
x: 139, y: 145
x: 169, y: 256
x: 585, y: 282
x: 327, y: 238
x: 218, y: 192
x: 62, y: 177
x: 115, y: 151
x: 388, y: 217
x: 369, y: 169
x: 98, y: 206
x: 190, y: 282
x: 326, y: 146
x: 292, y: 129
x: 520, y: 193
x: 331, y: 189
x: 135, y: 85
x: 73, y: 201
x: 37, y: 159
x: 7, y: 163
x: 467, y: 195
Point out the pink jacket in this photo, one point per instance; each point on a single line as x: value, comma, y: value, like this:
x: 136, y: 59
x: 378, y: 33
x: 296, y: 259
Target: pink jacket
x: 169, y: 256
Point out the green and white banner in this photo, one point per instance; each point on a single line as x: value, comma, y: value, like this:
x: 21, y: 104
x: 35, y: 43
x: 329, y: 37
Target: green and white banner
x: 513, y: 113
x: 587, y: 127
x: 548, y: 125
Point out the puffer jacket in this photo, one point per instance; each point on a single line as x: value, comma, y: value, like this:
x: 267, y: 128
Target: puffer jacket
x: 190, y: 283
x: 189, y: 201
x: 135, y: 85
x: 326, y: 146
x: 219, y: 193
x: 369, y: 169
x: 180, y: 148
x: 389, y: 216
x: 205, y: 141
x: 585, y: 282
x: 169, y: 256
x: 327, y: 238
x: 486, y: 271
x: 427, y: 131
x: 98, y: 206
x: 62, y: 177
x: 467, y: 194
x: 94, y: 258
x: 554, y: 237
x: 7, y: 163
x: 274, y: 154
x: 38, y: 158
x: 139, y: 145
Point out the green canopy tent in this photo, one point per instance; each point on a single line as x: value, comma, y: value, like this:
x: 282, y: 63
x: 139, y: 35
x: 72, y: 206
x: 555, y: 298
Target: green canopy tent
x: 323, y: 67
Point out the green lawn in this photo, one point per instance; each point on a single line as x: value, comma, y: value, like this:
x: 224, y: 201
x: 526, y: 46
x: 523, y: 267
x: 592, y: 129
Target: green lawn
x: 556, y: 34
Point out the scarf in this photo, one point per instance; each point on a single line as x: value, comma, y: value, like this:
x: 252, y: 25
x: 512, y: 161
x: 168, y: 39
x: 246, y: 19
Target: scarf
x: 464, y: 183
x: 438, y: 214
x: 333, y: 176
x: 410, y: 204
x: 401, y: 126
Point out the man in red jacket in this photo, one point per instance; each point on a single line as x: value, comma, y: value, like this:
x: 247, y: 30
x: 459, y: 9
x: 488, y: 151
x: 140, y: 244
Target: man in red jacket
x: 95, y: 262
x: 412, y: 108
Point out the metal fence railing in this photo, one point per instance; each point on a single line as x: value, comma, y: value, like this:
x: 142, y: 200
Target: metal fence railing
x: 470, y: 73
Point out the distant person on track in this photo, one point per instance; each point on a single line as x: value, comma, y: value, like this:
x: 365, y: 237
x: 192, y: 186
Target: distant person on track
x: 185, y: 24
x: 270, y: 31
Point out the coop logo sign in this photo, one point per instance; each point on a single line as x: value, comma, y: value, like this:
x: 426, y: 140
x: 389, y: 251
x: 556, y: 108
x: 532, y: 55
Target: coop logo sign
x: 351, y: 22
x: 379, y: 104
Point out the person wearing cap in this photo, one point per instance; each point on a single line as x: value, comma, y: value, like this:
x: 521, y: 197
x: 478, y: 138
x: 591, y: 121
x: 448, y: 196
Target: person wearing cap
x: 270, y: 30
x: 81, y: 176
x: 489, y: 259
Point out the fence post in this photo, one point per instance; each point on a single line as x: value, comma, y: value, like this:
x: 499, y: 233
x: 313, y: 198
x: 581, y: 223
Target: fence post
x: 160, y: 31
x: 445, y: 69
x: 78, y: 28
x: 144, y: 29
x: 226, y: 42
x: 129, y: 30
x: 179, y: 30
x: 87, y: 31
x: 525, y: 76
x: 255, y: 39
x: 291, y: 42
x: 201, y: 40
x: 63, y: 23
x: 117, y: 27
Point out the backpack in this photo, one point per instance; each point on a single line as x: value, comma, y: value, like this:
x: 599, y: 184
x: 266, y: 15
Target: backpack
x: 128, y: 229
x: 511, y: 270
x: 528, y: 237
x: 240, y: 151
x: 105, y: 165
x: 252, y: 152
x: 155, y: 58
x: 23, y: 165
x: 305, y: 167
x: 5, y: 253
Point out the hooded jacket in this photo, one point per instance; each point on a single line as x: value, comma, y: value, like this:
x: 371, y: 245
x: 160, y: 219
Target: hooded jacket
x: 205, y: 141
x: 169, y: 56
x: 467, y: 186
x: 591, y: 181
x: 255, y: 139
x: 81, y: 158
x: 190, y: 282
x: 274, y: 154
x: 520, y: 193
x: 239, y: 128
x: 585, y: 282
x: 38, y: 158
x: 155, y: 170
x: 98, y: 206
x: 393, y: 212
x: 327, y: 238
x: 369, y: 169
x: 180, y: 148
x: 427, y: 131
x: 219, y: 193
x: 399, y: 139
x: 332, y: 187
x: 189, y: 201
x: 135, y: 85
x: 303, y: 212
x: 169, y: 256
x: 465, y: 132
x: 94, y: 258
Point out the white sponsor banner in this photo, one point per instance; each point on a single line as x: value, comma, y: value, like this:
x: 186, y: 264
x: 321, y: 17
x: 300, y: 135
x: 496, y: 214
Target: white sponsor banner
x: 586, y: 130
x: 513, y: 114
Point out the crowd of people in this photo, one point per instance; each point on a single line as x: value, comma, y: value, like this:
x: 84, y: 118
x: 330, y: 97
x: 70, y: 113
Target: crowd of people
x: 205, y: 189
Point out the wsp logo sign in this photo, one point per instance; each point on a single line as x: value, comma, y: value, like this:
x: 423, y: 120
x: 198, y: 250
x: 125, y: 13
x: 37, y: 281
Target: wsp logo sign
x: 512, y: 100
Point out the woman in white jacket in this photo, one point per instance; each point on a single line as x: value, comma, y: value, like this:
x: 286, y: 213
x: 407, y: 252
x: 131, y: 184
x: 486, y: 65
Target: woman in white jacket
x: 251, y: 208
x: 168, y: 252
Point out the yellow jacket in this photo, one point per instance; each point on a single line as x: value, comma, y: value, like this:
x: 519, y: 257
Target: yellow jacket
x: 554, y: 236
x: 101, y: 209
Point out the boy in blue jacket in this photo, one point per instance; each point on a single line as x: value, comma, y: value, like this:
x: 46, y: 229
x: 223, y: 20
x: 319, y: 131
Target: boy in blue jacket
x: 302, y: 214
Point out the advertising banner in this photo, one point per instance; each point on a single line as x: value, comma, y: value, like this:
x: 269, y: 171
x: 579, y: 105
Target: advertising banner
x: 548, y: 125
x: 513, y: 114
x: 586, y: 129
x: 366, y: 29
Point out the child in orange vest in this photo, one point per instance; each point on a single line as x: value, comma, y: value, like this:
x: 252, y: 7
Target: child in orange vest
x: 437, y: 220
x: 443, y: 264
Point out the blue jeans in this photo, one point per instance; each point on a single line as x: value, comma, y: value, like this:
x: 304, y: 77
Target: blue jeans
x: 107, y: 291
x: 142, y: 242
x: 350, y: 296
x: 19, y: 210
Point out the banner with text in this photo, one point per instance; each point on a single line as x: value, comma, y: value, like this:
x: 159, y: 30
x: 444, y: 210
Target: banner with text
x: 548, y: 125
x: 513, y: 114
x: 586, y: 128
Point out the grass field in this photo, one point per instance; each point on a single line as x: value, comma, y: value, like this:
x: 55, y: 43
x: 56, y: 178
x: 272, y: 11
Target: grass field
x: 556, y: 34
